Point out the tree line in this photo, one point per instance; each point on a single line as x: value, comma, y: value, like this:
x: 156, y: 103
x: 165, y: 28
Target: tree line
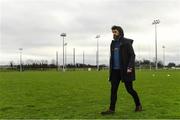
x: 45, y: 65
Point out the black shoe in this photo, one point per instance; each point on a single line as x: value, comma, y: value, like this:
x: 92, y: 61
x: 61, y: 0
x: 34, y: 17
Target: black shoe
x: 138, y: 108
x: 108, y: 112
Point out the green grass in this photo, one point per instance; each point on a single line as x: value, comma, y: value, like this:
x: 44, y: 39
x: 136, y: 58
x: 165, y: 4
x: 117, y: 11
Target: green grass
x: 84, y: 94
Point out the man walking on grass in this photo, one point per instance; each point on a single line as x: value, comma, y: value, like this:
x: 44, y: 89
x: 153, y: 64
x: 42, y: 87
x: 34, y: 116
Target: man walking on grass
x: 122, y: 68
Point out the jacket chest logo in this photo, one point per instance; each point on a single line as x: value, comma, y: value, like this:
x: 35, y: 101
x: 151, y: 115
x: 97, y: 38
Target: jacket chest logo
x: 116, y: 49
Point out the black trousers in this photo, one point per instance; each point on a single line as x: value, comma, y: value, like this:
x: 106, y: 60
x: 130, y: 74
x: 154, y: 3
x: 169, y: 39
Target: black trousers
x: 114, y: 88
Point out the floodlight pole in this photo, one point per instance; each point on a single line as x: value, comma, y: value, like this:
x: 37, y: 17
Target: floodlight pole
x: 83, y: 58
x: 97, y: 54
x: 155, y: 22
x: 20, y: 62
x: 163, y: 56
x: 65, y: 54
x: 63, y: 35
x: 74, y: 62
x: 57, y: 64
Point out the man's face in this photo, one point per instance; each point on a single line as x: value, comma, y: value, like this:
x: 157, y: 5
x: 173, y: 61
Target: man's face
x: 116, y: 34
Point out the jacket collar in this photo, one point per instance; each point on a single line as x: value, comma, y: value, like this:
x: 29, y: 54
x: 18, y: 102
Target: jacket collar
x: 121, y: 41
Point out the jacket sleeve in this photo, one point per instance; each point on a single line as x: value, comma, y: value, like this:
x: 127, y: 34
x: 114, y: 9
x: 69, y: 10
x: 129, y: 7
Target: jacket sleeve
x: 110, y: 62
x: 132, y: 55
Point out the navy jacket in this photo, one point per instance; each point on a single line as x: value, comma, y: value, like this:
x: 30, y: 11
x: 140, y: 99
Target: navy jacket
x: 127, y: 59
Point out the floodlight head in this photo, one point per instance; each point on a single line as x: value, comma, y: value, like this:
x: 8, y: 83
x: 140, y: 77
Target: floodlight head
x: 20, y: 48
x: 156, y: 21
x: 98, y: 36
x: 63, y: 34
x: 65, y: 44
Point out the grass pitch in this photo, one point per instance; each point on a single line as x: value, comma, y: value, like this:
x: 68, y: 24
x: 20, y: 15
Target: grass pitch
x: 83, y: 95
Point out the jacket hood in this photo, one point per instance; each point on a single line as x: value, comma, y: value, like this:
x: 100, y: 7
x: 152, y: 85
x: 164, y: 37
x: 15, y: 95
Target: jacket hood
x: 127, y: 40
x: 131, y: 41
x: 121, y: 32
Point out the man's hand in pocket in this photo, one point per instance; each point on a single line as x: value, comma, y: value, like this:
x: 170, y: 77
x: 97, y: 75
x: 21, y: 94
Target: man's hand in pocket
x: 129, y: 70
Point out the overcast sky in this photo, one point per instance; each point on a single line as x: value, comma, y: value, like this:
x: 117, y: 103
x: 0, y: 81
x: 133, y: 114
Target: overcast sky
x: 36, y: 25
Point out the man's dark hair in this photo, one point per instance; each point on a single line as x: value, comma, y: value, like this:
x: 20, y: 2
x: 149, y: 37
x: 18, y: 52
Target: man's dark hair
x: 117, y: 28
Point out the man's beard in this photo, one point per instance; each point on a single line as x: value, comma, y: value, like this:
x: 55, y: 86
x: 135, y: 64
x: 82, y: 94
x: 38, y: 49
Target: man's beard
x: 116, y: 37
